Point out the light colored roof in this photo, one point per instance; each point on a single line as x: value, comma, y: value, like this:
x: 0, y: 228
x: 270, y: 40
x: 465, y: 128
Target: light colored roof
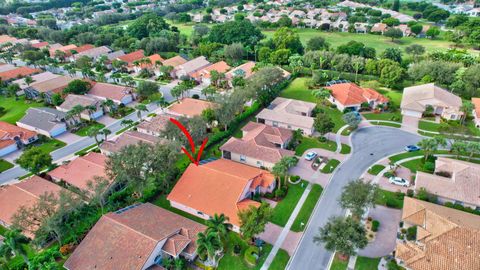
x: 128, y: 138
x: 379, y: 27
x: 114, y: 55
x: 476, y: 105
x: 193, y: 65
x: 189, y: 107
x: 43, y: 118
x: 217, y: 187
x: 288, y: 111
x: 417, y: 97
x: 81, y: 170
x: 6, y: 38
x: 72, y: 100
x: 110, y: 91
x: 351, y: 94
x: 94, y: 52
x: 174, y: 61
x: 124, y: 240
x: 55, y: 85
x: 463, y: 185
x: 41, y: 77
x: 18, y: 72
x: 220, y: 67
x: 260, y: 142
x: 6, y: 67
x: 157, y: 124
x: 245, y: 70
x: 25, y: 193
x: 450, y: 239
x: 9, y: 132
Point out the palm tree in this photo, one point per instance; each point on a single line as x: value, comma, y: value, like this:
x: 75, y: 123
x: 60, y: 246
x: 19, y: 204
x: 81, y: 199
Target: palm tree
x: 93, y: 132
x: 91, y: 109
x: 28, y: 80
x: 219, y: 224
x: 322, y: 94
x: 126, y: 122
x: 109, y: 104
x: 141, y: 108
x: 161, y: 102
x: 179, y: 264
x: 466, y: 108
x: 70, y: 69
x: 105, y: 133
x: 281, y: 168
x: 13, y: 244
x: 472, y: 148
x: 76, y: 111
x: 209, y: 247
x: 430, y: 145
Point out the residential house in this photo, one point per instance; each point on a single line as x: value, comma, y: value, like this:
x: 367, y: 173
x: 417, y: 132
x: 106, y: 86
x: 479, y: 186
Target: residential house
x: 40, y: 44
x: 453, y: 181
x: 445, y: 238
x: 46, y: 121
x: 137, y: 237
x: 406, y: 31
x: 261, y: 146
x: 78, y: 172
x: 290, y: 114
x: 190, y: 67
x: 360, y: 28
x: 153, y: 64
x: 189, y: 107
x: 244, y: 70
x: 25, y: 193
x: 67, y: 50
x: 351, y: 96
x: 379, y: 28
x: 127, y: 138
x: 476, y: 111
x: 13, y: 138
x: 93, y: 106
x: 203, y: 76
x: 47, y: 88
x: 220, y: 186
x: 415, y: 100
x: 20, y: 72
x: 37, y: 78
x: 93, y: 53
x: 119, y: 94
x: 6, y: 67
x: 154, y: 126
x: 174, y: 61
x: 130, y: 58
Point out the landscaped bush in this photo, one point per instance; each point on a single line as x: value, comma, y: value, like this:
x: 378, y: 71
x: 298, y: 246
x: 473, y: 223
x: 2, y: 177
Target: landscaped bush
x: 388, y: 174
x: 237, y: 249
x: 412, y: 233
x: 391, y: 203
x: 251, y: 255
x: 462, y: 208
x: 410, y: 193
x: 375, y: 225
x: 429, y: 166
x: 280, y: 193
x: 294, y: 178
x: 322, y: 139
x: 424, y: 195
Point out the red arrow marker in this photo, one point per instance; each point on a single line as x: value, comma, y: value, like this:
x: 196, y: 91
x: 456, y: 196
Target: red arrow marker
x: 191, y: 142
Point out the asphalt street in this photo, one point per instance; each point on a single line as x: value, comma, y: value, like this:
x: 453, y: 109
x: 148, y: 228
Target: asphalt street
x: 369, y: 145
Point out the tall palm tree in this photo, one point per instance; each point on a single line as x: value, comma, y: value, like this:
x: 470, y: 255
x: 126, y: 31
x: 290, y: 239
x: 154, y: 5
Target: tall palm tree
x: 126, y: 122
x: 219, y: 224
x: 209, y: 247
x: 466, y: 108
x: 109, y: 104
x: 105, y: 133
x: 281, y: 168
x: 179, y: 264
x: 13, y: 244
x: 93, y: 132
x: 141, y: 108
x: 77, y: 111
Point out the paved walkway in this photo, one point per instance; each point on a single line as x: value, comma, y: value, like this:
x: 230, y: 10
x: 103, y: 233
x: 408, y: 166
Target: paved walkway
x: 273, y: 231
x: 305, y: 171
x: 286, y: 230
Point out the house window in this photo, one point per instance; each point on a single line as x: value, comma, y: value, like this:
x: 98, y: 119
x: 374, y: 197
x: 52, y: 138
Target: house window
x: 275, y: 123
x: 259, y: 163
x: 199, y: 213
x: 243, y: 158
x: 289, y: 127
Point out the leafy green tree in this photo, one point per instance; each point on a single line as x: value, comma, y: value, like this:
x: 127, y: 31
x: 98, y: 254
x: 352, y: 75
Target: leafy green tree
x: 234, y: 53
x: 147, y: 25
x: 352, y: 119
x: 209, y: 247
x: 220, y: 225
x: 34, y: 160
x: 393, y: 33
x: 396, y: 5
x: 356, y: 48
x: 416, y: 29
x: 282, y: 167
x: 432, y: 32
x: 344, y: 235
x: 146, y: 89
x: 391, y: 74
x: 357, y: 196
x: 287, y: 38
x: 264, y: 54
x: 14, y: 244
x: 243, y: 32
x: 78, y: 87
x: 393, y: 54
x: 280, y: 57
x: 415, y: 50
x: 317, y: 44
x: 323, y: 123
x: 253, y: 220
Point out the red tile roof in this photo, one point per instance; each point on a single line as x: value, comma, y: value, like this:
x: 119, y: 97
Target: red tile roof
x: 131, y: 57
x: 85, y: 47
x: 352, y: 94
x: 218, y: 187
x: 110, y: 91
x: 189, y: 107
x: 18, y: 72
x: 81, y: 170
x: 174, y: 61
x: 9, y: 132
x: 476, y: 105
x: 220, y: 67
x: 154, y: 58
x: 40, y: 45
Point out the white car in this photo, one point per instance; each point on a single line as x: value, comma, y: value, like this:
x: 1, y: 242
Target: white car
x: 310, y: 156
x: 399, y: 181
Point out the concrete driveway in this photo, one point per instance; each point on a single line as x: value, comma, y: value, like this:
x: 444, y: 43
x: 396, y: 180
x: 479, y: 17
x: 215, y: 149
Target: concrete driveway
x: 386, y: 237
x: 305, y: 171
x: 271, y: 233
x: 68, y: 137
x: 370, y: 145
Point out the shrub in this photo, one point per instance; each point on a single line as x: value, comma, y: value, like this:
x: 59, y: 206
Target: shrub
x: 412, y: 233
x: 375, y: 225
x: 280, y: 193
x: 251, y: 255
x: 322, y: 139
x: 294, y: 178
x: 391, y: 203
x: 369, y: 218
x: 237, y: 249
x: 195, y: 96
x: 429, y: 166
x: 388, y: 174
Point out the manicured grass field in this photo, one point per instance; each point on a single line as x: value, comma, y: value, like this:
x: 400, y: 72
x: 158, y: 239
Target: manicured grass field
x: 338, y: 264
x: 284, y: 208
x: 386, y: 124
x: 364, y: 263
x: 298, y: 90
x: 346, y: 149
x: 5, y: 165
x: 378, y: 42
x: 376, y: 169
x: 307, y: 208
x: 428, y: 126
x: 84, y: 130
x: 308, y: 143
x: 330, y: 166
x: 49, y: 145
x: 396, y: 117
x: 15, y: 109
x: 390, y: 199
x: 280, y: 261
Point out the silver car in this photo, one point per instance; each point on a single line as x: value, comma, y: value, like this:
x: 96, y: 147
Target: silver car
x: 399, y: 181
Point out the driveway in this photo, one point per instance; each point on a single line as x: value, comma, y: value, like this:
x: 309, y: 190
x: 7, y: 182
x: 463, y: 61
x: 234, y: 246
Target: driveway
x: 305, y: 171
x: 271, y: 233
x: 106, y: 120
x: 68, y: 137
x: 369, y: 145
x: 410, y: 123
x: 386, y: 237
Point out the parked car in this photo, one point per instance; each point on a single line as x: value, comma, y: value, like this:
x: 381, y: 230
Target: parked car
x: 399, y: 181
x: 310, y: 155
x: 412, y: 148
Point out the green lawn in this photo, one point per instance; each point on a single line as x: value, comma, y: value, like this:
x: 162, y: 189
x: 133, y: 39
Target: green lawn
x: 230, y: 261
x: 390, y: 199
x: 284, y: 208
x: 378, y: 42
x: 364, y: 263
x: 5, y: 165
x: 346, y: 149
x: 84, y: 130
x: 15, y: 109
x: 405, y: 155
x: 386, y: 116
x: 386, y: 124
x: 280, y: 261
x: 86, y: 150
x: 49, y: 144
x: 338, y: 264
x: 307, y: 208
x: 330, y: 166
x: 428, y: 126
x: 376, y: 169
x: 308, y: 143
x: 298, y: 90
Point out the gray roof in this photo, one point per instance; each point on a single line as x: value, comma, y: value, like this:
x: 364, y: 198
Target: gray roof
x: 72, y: 100
x: 113, y: 55
x: 42, y: 118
